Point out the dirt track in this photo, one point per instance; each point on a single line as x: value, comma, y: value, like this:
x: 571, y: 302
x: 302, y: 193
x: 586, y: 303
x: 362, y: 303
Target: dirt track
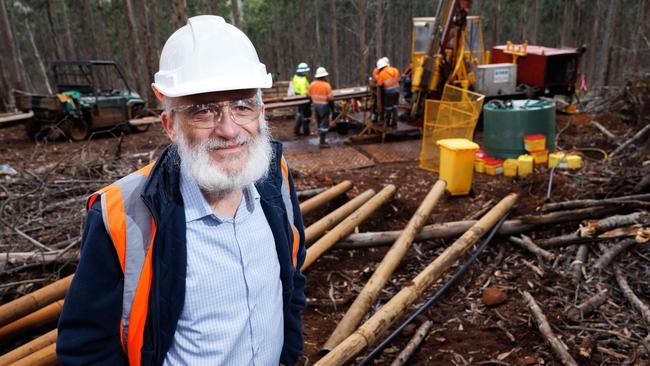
x: 465, y: 330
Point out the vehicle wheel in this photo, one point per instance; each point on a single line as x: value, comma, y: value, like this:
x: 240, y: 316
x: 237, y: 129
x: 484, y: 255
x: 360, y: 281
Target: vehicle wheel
x: 33, y: 129
x: 78, y: 129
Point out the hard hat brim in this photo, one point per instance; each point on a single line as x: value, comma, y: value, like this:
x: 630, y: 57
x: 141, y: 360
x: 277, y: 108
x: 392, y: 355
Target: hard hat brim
x: 216, y: 85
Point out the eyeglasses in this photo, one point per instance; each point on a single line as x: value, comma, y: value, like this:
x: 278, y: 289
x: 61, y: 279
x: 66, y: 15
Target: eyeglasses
x: 208, y: 115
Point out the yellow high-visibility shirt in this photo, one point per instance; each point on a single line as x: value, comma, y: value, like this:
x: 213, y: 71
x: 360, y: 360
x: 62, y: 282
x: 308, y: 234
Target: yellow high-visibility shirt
x: 300, y: 85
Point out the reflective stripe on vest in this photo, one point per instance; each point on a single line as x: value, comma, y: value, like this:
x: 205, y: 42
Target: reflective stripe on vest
x: 132, y: 229
x: 320, y: 99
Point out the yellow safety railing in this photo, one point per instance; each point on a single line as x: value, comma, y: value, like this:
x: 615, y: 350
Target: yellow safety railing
x: 454, y: 116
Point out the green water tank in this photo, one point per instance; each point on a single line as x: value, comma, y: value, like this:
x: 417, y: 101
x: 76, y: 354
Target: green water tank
x: 506, y: 123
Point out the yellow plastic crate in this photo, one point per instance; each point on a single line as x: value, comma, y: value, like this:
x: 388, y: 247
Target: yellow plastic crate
x: 525, y: 165
x: 457, y: 164
x: 494, y: 167
x: 540, y: 157
x: 535, y: 142
x: 510, y: 167
x: 574, y: 161
x: 479, y: 166
x: 557, y: 158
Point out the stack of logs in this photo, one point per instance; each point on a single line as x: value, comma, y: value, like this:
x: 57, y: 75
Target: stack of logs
x: 334, y: 230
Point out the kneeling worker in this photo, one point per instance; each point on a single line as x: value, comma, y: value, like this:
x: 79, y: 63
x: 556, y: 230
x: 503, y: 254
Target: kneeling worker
x: 195, y: 259
x: 320, y: 92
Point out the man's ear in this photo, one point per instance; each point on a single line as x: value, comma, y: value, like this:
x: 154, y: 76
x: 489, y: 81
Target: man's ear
x: 167, y: 122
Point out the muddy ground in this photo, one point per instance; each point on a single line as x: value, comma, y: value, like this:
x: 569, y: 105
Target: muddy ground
x: 45, y: 201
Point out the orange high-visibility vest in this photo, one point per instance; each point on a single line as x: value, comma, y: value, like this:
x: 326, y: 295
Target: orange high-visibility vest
x: 320, y: 92
x: 389, y: 78
x: 132, y: 229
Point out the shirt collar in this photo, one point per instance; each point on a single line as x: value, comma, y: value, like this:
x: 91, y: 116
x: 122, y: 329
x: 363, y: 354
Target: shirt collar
x: 197, y: 207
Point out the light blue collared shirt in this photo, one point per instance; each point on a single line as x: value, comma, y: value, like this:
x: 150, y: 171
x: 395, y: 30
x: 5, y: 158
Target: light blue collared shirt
x: 232, y: 313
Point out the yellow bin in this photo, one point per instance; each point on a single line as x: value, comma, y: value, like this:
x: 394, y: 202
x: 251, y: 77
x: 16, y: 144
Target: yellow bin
x: 457, y: 164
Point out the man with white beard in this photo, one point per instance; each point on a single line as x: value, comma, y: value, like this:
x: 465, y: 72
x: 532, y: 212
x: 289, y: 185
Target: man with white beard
x: 195, y: 259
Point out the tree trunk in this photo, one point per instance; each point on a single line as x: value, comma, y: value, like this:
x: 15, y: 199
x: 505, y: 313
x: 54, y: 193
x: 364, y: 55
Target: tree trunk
x: 593, y: 48
x: 71, y: 51
x: 11, y: 49
x: 180, y: 13
x: 102, y: 36
x: 51, y: 16
x: 122, y: 51
x: 146, y: 38
x: 155, y: 38
x: 378, y: 30
x: 496, y: 30
x: 39, y: 59
x: 88, y: 29
x: 535, y: 21
x: 640, y: 32
x: 136, y: 50
x: 362, y: 41
x: 566, y: 19
x: 608, y: 45
x: 335, y: 45
x: 235, y: 13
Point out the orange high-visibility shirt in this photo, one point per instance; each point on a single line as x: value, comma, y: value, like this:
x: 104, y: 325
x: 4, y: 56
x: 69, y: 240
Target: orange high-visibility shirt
x: 389, y: 78
x: 320, y: 92
x: 375, y: 73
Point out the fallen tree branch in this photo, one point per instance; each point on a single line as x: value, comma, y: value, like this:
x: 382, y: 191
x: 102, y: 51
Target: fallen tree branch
x: 556, y: 344
x: 528, y: 244
x: 631, y: 297
x: 608, y: 256
x: 413, y: 344
x: 604, y: 130
x: 637, y: 136
x: 570, y: 205
x: 576, y: 313
x: 579, y: 263
x: 612, y: 222
x: 456, y: 228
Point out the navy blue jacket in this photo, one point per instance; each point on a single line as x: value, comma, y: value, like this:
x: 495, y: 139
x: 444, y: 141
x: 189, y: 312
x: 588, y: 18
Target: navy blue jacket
x: 89, y: 327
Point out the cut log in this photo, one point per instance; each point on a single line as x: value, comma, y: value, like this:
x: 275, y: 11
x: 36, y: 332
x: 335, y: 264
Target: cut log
x: 325, y: 197
x: 558, y: 347
x: 28, y: 348
x: 385, y: 269
x: 382, y: 320
x: 457, y: 228
x: 318, y: 228
x: 308, y: 193
x: 413, y: 344
x: 346, y: 226
x: 576, y: 313
x: 46, y: 315
x: 571, y: 205
x: 29, y: 303
x: 608, y: 256
x: 43, y: 357
x: 528, y: 244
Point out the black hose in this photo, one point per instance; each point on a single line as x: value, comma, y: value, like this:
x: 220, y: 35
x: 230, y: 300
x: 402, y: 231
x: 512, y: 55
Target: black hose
x: 372, y: 355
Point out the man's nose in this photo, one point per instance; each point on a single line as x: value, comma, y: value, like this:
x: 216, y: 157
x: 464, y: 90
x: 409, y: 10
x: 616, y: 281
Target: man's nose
x: 225, y: 125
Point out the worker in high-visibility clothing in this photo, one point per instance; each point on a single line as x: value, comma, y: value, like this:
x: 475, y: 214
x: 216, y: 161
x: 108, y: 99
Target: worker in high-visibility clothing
x: 388, y: 83
x: 374, y: 93
x: 299, y: 86
x: 320, y: 93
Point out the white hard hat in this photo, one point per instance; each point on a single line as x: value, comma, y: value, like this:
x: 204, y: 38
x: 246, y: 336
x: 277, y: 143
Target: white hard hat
x: 386, y: 59
x: 208, y: 55
x: 321, y: 72
x: 302, y: 67
x: 381, y: 63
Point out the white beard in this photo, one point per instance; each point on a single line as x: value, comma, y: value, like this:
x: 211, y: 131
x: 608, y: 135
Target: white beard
x: 212, y: 178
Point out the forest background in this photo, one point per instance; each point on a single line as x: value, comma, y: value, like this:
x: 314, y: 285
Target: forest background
x: 345, y: 36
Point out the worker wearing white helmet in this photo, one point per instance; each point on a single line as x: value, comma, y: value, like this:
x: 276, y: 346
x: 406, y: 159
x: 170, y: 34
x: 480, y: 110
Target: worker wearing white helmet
x: 388, y: 85
x: 298, y: 86
x: 195, y: 259
x: 320, y: 93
